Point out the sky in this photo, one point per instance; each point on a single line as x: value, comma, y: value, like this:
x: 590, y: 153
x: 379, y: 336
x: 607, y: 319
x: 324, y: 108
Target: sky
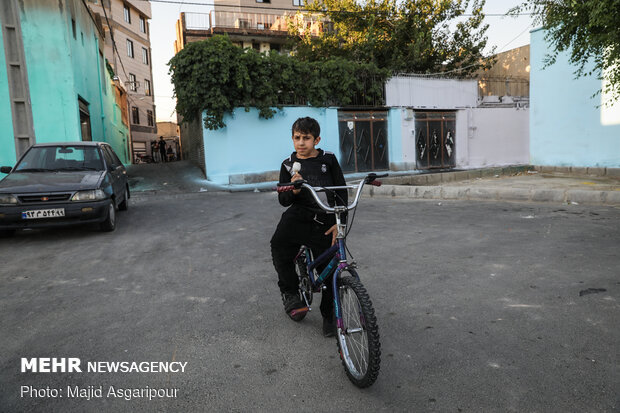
x: 504, y: 33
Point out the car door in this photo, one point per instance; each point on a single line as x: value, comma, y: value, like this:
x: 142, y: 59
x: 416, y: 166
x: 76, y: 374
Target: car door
x: 122, y: 181
x: 116, y: 172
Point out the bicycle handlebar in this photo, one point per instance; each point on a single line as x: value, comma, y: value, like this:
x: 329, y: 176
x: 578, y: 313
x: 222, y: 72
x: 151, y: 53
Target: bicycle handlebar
x: 370, y: 179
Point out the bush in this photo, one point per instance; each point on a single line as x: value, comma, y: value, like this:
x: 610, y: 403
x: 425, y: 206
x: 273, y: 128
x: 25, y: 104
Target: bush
x: 214, y: 76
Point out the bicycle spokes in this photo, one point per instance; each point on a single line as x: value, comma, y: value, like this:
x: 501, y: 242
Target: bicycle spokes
x: 354, y: 333
x: 358, y: 334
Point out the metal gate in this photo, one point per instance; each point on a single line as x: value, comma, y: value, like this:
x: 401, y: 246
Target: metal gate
x: 363, y: 141
x: 435, y: 139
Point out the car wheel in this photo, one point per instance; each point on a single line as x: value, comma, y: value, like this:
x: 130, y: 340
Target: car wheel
x: 124, y: 206
x: 6, y: 233
x: 110, y: 222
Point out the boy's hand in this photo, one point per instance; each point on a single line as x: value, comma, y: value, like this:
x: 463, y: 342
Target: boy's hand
x: 334, y: 231
x: 294, y: 178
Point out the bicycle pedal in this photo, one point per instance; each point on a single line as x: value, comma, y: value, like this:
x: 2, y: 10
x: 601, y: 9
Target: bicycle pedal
x: 299, y: 311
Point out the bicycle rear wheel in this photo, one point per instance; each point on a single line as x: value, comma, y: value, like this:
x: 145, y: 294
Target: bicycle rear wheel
x: 358, y: 341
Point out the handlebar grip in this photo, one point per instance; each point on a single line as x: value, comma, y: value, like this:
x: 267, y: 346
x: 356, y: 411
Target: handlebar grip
x: 297, y: 184
x: 285, y: 188
x: 375, y: 183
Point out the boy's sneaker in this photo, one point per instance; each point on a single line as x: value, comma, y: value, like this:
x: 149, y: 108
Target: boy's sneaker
x: 329, y: 327
x: 293, y: 306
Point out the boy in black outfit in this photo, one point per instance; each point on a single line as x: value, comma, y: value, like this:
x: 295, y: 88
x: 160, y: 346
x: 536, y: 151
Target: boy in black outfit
x: 304, y: 222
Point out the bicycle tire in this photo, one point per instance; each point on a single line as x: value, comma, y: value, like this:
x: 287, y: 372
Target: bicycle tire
x: 361, y: 357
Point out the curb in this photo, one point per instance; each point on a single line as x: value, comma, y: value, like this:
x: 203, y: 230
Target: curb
x: 434, y: 178
x: 497, y: 194
x: 442, y: 177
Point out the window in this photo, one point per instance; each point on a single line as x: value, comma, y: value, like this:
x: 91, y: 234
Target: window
x: 129, y: 48
x: 149, y: 117
x: 84, y: 120
x: 127, y: 13
x: 135, y: 115
x: 145, y: 56
x: 61, y: 156
x: 298, y: 3
x: 108, y: 158
x: 111, y: 159
x: 73, y: 28
x: 243, y: 24
x: 142, y: 24
x: 133, y: 85
x: 108, y: 153
x: 147, y: 87
x: 263, y: 1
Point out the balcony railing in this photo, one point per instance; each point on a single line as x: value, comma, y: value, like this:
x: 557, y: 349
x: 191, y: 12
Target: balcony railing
x: 252, y: 21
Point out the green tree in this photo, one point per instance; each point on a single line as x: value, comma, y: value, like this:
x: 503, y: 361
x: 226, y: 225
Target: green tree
x: 588, y: 29
x: 215, y: 77
x: 419, y: 36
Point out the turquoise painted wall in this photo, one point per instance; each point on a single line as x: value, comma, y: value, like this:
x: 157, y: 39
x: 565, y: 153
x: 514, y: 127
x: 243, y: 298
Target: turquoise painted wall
x: 62, y: 67
x: 7, y: 139
x: 45, y: 32
x: 249, y: 144
x: 566, y: 126
x: 395, y: 140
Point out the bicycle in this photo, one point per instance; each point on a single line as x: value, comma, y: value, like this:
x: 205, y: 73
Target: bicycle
x: 357, y: 332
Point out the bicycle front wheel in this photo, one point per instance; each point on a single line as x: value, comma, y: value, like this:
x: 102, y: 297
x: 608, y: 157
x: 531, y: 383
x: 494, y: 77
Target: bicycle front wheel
x: 358, y: 340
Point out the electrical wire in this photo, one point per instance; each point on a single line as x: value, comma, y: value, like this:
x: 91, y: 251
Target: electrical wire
x: 193, y: 3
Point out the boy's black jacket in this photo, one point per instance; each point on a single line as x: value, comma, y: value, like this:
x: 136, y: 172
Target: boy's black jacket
x: 322, y: 170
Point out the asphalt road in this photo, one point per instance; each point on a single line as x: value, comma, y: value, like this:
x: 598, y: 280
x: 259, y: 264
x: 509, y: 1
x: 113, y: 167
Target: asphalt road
x: 482, y: 307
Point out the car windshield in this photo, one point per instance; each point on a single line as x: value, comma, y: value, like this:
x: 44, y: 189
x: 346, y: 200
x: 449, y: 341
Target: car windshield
x: 61, y: 158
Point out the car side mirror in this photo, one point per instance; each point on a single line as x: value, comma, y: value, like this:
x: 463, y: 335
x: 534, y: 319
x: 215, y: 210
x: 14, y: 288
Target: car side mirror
x: 6, y: 169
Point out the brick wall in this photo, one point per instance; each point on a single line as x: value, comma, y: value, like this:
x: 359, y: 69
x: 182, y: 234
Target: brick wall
x: 192, y: 143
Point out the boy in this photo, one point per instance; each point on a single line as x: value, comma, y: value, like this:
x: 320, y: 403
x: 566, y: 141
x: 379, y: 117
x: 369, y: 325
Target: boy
x: 304, y: 222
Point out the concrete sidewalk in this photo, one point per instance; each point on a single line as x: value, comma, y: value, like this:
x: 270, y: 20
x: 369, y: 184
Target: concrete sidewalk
x: 596, y: 186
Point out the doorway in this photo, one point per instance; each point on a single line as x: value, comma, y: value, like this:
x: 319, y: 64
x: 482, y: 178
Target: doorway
x: 363, y: 140
x: 435, y: 139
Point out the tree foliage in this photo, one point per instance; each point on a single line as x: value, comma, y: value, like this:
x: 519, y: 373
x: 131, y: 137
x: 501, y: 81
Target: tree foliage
x: 215, y: 76
x: 588, y: 29
x: 414, y: 36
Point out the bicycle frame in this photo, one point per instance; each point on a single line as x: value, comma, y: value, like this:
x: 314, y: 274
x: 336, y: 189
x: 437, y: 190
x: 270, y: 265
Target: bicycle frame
x: 337, y: 257
x: 336, y: 253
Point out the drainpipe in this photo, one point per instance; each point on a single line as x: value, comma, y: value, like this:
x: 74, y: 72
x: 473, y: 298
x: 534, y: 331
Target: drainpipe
x: 99, y: 74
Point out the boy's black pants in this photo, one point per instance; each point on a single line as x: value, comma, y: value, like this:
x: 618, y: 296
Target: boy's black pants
x: 293, y: 230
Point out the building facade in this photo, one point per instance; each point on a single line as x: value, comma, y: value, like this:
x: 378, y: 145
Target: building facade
x: 262, y: 25
x: 128, y: 50
x: 425, y: 124
x: 171, y: 134
x: 509, y: 75
x: 54, y: 85
x: 570, y: 124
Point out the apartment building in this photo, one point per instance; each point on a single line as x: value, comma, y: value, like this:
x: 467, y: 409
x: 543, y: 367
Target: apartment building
x: 128, y: 51
x: 259, y: 24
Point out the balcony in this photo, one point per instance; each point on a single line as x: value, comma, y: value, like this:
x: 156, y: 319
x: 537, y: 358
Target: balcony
x: 250, y: 23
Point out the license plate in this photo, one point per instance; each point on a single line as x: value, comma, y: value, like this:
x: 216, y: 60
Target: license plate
x: 44, y: 213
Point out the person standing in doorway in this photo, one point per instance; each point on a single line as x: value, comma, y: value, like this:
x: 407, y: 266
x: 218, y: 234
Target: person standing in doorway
x: 162, y: 149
